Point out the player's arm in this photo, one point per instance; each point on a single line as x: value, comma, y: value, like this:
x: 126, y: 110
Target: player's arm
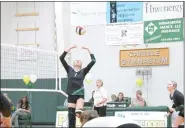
x: 180, y: 99
x: 93, y: 61
x: 62, y: 58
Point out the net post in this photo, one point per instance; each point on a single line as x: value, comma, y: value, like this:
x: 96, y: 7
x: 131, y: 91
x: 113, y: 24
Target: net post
x: 56, y: 66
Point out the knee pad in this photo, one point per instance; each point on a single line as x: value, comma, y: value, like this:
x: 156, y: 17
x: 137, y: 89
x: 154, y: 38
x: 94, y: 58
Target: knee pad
x: 71, y: 118
x: 71, y: 112
x: 79, y: 111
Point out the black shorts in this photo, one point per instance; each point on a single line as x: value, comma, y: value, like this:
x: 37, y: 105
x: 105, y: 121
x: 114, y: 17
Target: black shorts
x: 101, y: 110
x: 181, y: 113
x: 73, y: 98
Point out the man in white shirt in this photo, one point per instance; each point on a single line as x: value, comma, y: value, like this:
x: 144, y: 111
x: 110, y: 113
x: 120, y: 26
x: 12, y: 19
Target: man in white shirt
x: 100, y: 99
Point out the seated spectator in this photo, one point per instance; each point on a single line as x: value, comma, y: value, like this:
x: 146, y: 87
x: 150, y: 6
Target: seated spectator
x: 88, y: 115
x: 139, y: 100
x: 120, y: 97
x: 113, y: 98
x: 23, y: 109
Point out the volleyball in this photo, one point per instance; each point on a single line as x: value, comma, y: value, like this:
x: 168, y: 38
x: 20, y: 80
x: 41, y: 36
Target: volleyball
x: 80, y: 30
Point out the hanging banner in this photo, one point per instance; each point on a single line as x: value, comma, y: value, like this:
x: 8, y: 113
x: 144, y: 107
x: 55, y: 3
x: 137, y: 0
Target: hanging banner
x: 88, y: 13
x: 121, y: 34
x: 157, y: 31
x: 162, y: 10
x: 118, y: 12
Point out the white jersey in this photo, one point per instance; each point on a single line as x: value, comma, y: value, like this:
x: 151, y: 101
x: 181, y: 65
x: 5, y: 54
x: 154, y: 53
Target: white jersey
x: 99, y: 95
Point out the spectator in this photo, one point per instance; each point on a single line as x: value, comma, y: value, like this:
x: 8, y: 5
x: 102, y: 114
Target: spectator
x: 139, y: 100
x: 87, y: 116
x: 100, y: 99
x: 23, y: 109
x: 120, y: 97
x: 113, y: 97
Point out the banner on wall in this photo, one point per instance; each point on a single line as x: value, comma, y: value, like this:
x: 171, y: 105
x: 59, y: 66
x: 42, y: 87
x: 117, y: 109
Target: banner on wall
x: 121, y: 34
x: 118, y: 12
x: 145, y: 118
x: 162, y: 10
x: 88, y: 13
x: 157, y: 31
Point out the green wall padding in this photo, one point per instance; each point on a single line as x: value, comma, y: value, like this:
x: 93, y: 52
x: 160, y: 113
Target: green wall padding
x: 44, y: 104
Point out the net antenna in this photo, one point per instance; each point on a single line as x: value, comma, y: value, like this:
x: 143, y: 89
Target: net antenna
x: 18, y: 61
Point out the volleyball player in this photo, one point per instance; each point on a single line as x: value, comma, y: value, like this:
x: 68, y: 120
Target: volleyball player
x: 75, y: 88
x: 178, y: 99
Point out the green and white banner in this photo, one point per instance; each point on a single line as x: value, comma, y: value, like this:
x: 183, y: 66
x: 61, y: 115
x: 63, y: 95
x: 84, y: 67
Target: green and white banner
x: 158, y: 31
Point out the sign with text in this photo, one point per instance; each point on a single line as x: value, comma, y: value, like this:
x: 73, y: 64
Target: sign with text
x: 145, y: 118
x: 87, y: 13
x: 144, y: 57
x: 26, y: 54
x: 162, y: 10
x: 122, y: 33
x: 157, y: 31
x: 62, y: 119
x: 124, y: 12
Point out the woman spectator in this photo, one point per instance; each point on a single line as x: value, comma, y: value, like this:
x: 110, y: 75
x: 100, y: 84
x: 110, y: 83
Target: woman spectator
x: 139, y: 100
x: 113, y: 98
x: 120, y: 97
x: 23, y: 109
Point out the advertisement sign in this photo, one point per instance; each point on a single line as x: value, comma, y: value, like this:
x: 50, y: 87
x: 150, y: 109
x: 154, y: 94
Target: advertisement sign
x: 145, y: 118
x: 144, y: 57
x: 120, y: 34
x: 162, y: 10
x: 157, y: 31
x: 88, y: 13
x: 62, y: 119
x: 124, y: 12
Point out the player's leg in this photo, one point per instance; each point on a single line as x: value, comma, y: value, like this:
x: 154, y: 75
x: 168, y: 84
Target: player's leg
x: 79, y: 106
x: 178, y: 121
x: 71, y: 111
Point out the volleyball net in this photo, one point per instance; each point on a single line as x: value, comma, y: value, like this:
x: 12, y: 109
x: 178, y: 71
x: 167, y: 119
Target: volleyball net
x: 19, y: 61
